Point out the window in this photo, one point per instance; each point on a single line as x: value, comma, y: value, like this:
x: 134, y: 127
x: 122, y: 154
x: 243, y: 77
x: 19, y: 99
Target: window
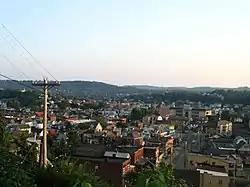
x: 220, y: 181
x: 210, y: 182
x: 191, y: 162
x: 213, y: 163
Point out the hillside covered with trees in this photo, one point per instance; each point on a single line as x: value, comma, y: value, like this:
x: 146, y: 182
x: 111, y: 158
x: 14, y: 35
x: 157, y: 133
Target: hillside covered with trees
x: 217, y: 96
x: 100, y: 89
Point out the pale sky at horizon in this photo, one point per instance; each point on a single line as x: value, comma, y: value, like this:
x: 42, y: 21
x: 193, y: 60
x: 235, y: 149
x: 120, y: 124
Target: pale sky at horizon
x: 148, y: 42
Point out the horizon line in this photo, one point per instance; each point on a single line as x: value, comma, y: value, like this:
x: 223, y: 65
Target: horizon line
x: 134, y: 85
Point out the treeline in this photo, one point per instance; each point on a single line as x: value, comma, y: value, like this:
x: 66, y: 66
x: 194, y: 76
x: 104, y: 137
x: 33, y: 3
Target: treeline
x: 217, y: 96
x: 17, y: 98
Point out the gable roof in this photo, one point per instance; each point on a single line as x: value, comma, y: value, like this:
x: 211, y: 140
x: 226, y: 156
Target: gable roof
x: 245, y: 147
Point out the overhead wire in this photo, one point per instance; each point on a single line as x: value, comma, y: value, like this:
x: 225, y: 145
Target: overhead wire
x: 21, y: 54
x: 17, y: 68
x: 32, y: 56
x: 19, y: 82
x: 35, y: 59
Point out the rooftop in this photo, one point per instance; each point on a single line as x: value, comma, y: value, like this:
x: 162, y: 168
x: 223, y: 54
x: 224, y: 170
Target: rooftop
x: 204, y: 166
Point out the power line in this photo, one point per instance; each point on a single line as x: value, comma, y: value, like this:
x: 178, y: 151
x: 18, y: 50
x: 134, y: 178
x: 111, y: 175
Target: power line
x: 19, y: 69
x: 21, y: 54
x: 31, y: 87
x: 37, y: 61
x: 19, y: 82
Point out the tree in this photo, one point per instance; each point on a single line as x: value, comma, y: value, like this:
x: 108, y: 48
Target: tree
x: 16, y: 170
x: 13, y: 104
x: 225, y: 115
x: 72, y: 137
x: 5, y: 135
x: 66, y: 173
x: 120, y: 125
x: 102, y: 121
x: 139, y: 113
x: 136, y: 114
x: 154, y: 177
x: 25, y: 149
x: 63, y: 104
x: 22, y: 169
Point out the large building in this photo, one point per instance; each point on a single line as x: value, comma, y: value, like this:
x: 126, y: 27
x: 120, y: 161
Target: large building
x: 228, y: 163
x: 194, y: 113
x: 224, y: 127
x: 200, y: 113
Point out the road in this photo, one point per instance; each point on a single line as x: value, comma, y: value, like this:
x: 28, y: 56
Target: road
x: 179, y: 158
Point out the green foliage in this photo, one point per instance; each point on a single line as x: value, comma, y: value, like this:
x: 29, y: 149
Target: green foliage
x: 83, y: 126
x: 15, y: 171
x: 72, y: 136
x: 120, y: 125
x: 63, y: 104
x: 26, y: 150
x: 216, y: 96
x: 156, y: 177
x: 16, y: 98
x: 22, y: 170
x: 67, y: 174
x: 102, y: 121
x: 13, y: 104
x: 139, y: 113
x: 5, y: 136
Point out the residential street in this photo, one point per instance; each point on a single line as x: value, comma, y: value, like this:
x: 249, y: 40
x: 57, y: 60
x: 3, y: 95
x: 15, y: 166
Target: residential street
x: 192, y: 144
x: 179, y: 158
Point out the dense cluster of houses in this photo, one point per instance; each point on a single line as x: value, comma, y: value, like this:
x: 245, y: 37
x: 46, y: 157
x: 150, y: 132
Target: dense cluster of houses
x: 215, y: 151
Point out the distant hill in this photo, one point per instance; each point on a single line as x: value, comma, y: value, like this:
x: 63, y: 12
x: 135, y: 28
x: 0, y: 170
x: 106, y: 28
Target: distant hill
x: 78, y: 88
x: 146, y: 87
x: 195, y: 89
x: 92, y: 88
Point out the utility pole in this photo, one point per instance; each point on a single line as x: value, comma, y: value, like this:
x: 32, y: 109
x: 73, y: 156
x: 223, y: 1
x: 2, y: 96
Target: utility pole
x: 45, y: 85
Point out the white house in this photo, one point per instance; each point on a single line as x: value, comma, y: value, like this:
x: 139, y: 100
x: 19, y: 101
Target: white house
x: 98, y: 128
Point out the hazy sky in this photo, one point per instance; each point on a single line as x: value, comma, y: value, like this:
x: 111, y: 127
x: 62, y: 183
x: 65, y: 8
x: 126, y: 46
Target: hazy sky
x: 156, y: 42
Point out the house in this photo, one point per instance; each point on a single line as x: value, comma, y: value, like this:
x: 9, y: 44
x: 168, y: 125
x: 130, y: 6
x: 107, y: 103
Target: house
x: 178, y: 111
x: 39, y: 114
x: 133, y: 138
x: 164, y: 112
x: 154, y: 155
x: 212, y: 175
x: 135, y: 153
x: 219, y: 146
x: 224, y: 127
x: 244, y: 150
x: 200, y: 114
x: 110, y: 166
x: 98, y: 128
x: 21, y: 128
x: 229, y: 163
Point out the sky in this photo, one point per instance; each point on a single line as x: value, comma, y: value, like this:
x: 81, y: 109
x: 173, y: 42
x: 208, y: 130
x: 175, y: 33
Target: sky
x: 124, y: 42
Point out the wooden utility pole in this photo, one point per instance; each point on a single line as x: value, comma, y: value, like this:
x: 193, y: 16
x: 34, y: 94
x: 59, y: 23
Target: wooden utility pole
x: 46, y: 85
